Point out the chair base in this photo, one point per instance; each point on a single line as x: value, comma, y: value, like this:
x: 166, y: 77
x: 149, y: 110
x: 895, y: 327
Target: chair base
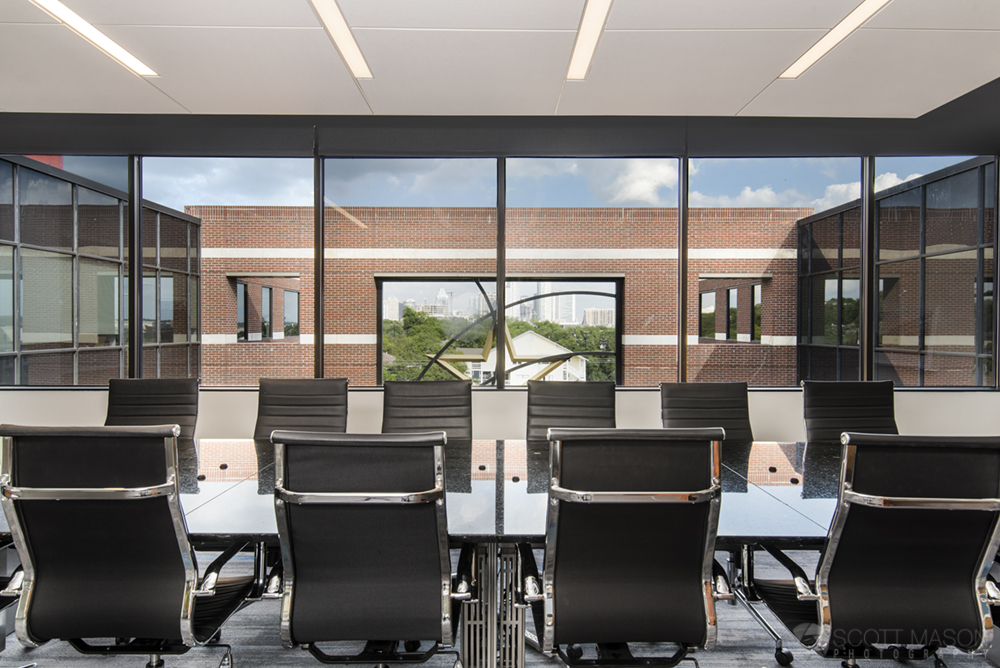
x: 132, y: 646
x: 619, y: 654
x: 376, y: 651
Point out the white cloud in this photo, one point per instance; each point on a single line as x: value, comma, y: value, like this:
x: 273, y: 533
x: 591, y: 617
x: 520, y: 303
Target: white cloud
x: 839, y: 193
x: 641, y: 182
x: 761, y: 197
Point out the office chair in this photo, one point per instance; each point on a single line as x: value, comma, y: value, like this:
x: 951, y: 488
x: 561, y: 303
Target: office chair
x: 629, y: 552
x: 95, y: 516
x: 443, y: 405
x: 566, y: 404
x: 832, y: 407
x: 904, y: 569
x: 301, y: 404
x: 702, y: 405
x: 364, y: 545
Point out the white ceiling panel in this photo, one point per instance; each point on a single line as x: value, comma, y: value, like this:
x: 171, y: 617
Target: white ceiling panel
x: 464, y: 72
x: 939, y: 15
x: 246, y: 70
x: 464, y: 14
x: 728, y: 14
x: 263, y: 13
x: 23, y: 11
x: 712, y: 73
x: 48, y: 68
x: 886, y: 73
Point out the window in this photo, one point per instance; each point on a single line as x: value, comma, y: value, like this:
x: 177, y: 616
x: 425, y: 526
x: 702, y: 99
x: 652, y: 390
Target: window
x: 291, y: 313
x: 241, y: 312
x: 934, y: 271
x: 444, y: 330
x: 706, y: 307
x: 757, y: 301
x: 732, y: 314
x: 266, y: 324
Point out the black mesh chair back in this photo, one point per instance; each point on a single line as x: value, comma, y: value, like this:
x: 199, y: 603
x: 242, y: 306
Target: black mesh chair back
x: 633, y: 517
x: 146, y: 401
x: 95, y: 515
x: 363, y: 530
x: 443, y: 405
x: 567, y: 404
x: 301, y: 404
x: 700, y: 405
x: 909, y: 548
x: 833, y: 407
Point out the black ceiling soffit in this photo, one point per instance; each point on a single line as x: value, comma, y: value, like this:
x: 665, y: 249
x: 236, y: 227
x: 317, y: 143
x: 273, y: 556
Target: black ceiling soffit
x: 967, y: 125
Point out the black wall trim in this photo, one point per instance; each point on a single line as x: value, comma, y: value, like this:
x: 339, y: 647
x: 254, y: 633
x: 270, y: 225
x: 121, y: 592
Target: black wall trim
x: 965, y: 126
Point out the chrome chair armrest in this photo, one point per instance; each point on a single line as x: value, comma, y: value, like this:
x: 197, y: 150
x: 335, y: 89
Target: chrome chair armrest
x: 275, y: 584
x: 992, y: 593
x: 803, y: 590
x: 211, y: 577
x: 464, y: 581
x: 15, y: 583
x: 721, y: 591
x: 529, y: 586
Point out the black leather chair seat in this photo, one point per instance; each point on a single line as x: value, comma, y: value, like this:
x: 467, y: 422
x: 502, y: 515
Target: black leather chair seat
x: 798, y: 616
x: 210, y: 612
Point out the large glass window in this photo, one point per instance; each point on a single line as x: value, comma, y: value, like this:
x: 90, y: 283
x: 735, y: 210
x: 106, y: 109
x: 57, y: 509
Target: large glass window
x: 934, y: 274
x: 601, y: 220
x: 256, y: 227
x: 744, y: 240
x: 427, y: 221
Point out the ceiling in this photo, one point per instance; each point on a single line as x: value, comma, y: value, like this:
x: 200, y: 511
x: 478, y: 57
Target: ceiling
x: 656, y: 58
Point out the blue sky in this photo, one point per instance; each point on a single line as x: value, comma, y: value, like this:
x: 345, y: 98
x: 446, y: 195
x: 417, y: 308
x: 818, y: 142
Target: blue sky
x: 816, y: 182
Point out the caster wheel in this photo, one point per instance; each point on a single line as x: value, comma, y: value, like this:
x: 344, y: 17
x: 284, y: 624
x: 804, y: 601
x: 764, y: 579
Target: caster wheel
x: 216, y: 638
x: 783, y: 657
x: 411, y: 645
x: 574, y: 652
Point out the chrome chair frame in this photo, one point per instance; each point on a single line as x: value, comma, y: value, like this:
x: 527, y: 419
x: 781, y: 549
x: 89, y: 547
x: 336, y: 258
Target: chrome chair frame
x: 988, y: 593
x: 558, y: 495
x: 436, y: 495
x: 169, y: 489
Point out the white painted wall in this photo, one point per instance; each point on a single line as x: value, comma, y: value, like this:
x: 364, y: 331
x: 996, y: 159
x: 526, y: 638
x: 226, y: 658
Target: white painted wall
x: 776, y: 415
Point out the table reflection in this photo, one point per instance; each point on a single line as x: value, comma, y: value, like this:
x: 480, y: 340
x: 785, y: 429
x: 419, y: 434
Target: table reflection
x: 498, y: 488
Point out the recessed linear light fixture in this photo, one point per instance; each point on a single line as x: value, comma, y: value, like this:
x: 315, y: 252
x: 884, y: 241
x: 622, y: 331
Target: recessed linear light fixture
x: 595, y: 16
x: 340, y: 34
x: 72, y: 20
x: 837, y: 34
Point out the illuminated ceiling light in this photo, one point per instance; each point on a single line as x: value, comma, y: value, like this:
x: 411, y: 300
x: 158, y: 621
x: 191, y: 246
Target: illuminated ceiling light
x: 595, y: 16
x: 71, y: 19
x: 336, y: 27
x: 838, y: 34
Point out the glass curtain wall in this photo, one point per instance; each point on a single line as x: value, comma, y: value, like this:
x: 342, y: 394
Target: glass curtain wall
x: 256, y: 246
x: 935, y: 273
x: 742, y: 251
x: 599, y: 236
x: 61, y: 271
x: 410, y: 269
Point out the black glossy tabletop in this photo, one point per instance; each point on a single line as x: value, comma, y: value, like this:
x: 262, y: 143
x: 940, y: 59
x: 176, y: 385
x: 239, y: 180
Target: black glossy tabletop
x: 776, y: 492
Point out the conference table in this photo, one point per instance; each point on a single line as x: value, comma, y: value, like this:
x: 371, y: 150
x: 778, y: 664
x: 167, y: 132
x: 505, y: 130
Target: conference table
x: 496, y: 496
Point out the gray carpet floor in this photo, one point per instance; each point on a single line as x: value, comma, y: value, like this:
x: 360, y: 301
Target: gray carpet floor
x: 253, y: 634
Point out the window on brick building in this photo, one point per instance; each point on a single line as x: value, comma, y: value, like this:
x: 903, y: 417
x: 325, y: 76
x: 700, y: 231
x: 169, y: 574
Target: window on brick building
x: 732, y: 314
x: 757, y: 301
x: 242, y: 309
x: 706, y: 309
x: 266, y: 321
x: 291, y: 313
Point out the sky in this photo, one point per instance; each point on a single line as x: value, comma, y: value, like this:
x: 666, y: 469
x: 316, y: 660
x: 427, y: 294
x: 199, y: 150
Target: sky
x: 820, y: 183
